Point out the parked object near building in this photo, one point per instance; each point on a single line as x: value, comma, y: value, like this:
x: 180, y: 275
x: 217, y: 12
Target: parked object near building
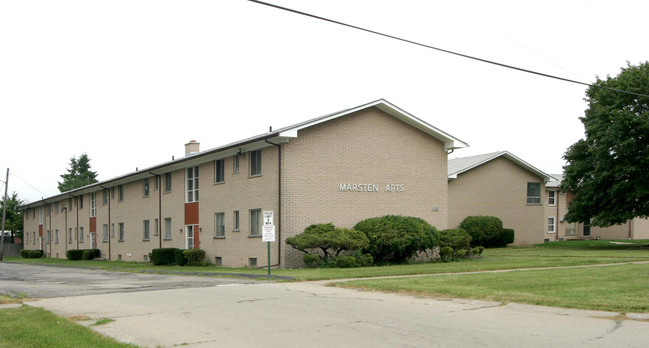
x: 372, y: 160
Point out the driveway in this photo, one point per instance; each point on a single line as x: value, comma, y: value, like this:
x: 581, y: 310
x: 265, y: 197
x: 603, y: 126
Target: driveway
x: 48, y: 281
x: 311, y: 314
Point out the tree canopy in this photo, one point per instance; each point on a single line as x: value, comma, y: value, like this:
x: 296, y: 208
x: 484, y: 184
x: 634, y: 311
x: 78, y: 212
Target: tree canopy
x: 14, y: 217
x: 78, y: 175
x: 608, y: 170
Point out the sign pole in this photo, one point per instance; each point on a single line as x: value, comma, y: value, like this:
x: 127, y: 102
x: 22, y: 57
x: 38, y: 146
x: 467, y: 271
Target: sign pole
x: 268, y: 243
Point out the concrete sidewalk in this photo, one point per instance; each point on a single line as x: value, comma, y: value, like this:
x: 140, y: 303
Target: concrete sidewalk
x: 309, y: 314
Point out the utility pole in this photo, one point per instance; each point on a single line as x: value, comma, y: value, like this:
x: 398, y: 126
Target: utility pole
x: 4, y: 215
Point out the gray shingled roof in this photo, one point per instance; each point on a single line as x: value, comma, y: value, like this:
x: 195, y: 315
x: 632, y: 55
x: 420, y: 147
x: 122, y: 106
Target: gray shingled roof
x: 458, y: 166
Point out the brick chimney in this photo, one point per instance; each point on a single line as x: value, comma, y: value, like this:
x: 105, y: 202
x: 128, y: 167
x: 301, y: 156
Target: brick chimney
x: 192, y: 147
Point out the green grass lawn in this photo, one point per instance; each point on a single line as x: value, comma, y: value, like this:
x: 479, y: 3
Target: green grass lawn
x: 622, y: 288
x: 35, y: 327
x: 570, y: 253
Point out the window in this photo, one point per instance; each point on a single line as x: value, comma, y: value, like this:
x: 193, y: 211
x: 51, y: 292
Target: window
x: 167, y: 228
x: 235, y: 220
x: 192, y: 185
x: 80, y: 202
x: 219, y: 222
x: 219, y: 171
x: 156, y: 227
x: 218, y: 261
x: 552, y: 198
x: 255, y: 162
x: 235, y: 164
x: 49, y: 237
x: 146, y: 189
x: 586, y: 231
x: 70, y: 235
x: 255, y: 222
x: 56, y: 236
x: 533, y: 193
x: 168, y: 182
x: 56, y: 208
x: 120, y: 236
x: 80, y: 234
x: 120, y: 190
x: 112, y: 230
x: 40, y: 215
x: 252, y: 262
x: 105, y: 232
x: 93, y: 205
x: 156, y: 185
x: 571, y: 229
x: 146, y: 230
x: 551, y: 224
x: 106, y: 196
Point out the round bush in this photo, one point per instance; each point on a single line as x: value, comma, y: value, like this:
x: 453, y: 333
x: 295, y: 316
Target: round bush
x: 396, y: 239
x: 311, y: 260
x: 484, y: 230
x: 345, y: 262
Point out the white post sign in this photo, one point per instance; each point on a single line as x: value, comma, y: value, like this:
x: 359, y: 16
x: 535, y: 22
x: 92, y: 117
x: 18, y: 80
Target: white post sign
x: 268, y: 227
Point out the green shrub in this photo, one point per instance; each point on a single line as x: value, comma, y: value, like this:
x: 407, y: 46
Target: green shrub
x: 477, y: 250
x: 163, y: 256
x: 311, y: 260
x: 446, y: 254
x: 194, y: 257
x: 364, y: 260
x: 179, y: 258
x: 484, y: 230
x: 396, y: 239
x: 31, y: 254
x: 87, y: 255
x: 345, y: 262
x: 74, y: 254
x: 507, y: 237
x: 454, y: 244
x: 328, y: 240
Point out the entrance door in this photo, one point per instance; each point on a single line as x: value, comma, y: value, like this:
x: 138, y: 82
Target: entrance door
x: 93, y: 244
x: 189, y: 237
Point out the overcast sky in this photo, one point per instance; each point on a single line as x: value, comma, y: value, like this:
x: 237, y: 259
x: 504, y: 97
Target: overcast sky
x: 130, y: 82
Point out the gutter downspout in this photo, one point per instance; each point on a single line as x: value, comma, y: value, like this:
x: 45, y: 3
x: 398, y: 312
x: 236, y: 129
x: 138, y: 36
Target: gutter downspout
x: 557, y: 195
x: 76, y: 229
x: 279, y: 203
x: 49, y: 239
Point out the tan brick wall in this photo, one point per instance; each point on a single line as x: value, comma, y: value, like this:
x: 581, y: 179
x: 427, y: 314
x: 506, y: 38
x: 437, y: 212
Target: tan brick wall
x: 367, y: 147
x: 498, y: 188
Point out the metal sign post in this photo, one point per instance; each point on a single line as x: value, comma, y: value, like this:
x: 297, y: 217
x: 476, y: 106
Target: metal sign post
x: 268, y: 234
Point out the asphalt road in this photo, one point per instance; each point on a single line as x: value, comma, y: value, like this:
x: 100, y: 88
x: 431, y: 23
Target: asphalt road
x: 237, y: 313
x: 48, y: 281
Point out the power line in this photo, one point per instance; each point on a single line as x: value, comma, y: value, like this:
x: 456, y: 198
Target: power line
x: 28, y: 184
x: 444, y: 50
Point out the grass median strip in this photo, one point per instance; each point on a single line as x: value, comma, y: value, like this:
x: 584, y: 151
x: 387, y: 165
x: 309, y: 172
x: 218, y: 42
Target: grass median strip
x: 622, y: 288
x: 35, y: 327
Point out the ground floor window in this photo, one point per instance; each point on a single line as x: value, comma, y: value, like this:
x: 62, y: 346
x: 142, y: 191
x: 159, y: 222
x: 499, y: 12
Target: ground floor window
x: 219, y: 222
x: 120, y: 232
x: 105, y: 233
x: 255, y: 222
x: 167, y: 228
x: 571, y: 229
x: 551, y: 224
x: 189, y: 232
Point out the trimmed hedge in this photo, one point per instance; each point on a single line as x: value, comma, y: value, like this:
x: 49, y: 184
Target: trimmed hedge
x: 74, y: 254
x: 31, y: 254
x: 194, y: 257
x: 484, y: 230
x: 507, y: 236
x: 396, y: 239
x: 454, y: 244
x: 163, y: 256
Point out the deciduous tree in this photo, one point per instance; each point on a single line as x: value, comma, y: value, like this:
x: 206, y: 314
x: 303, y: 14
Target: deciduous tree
x: 608, y: 170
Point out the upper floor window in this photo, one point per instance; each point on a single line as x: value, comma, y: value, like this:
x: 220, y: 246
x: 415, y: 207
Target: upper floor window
x: 235, y: 162
x: 168, y: 182
x: 106, y: 196
x: 255, y: 162
x: 219, y: 171
x: 120, y: 190
x: 80, y: 200
x: 552, y: 198
x: 93, y: 204
x: 533, y: 193
x: 192, y: 185
x: 146, y: 187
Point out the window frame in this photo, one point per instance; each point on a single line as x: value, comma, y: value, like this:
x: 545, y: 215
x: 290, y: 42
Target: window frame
x: 167, y: 182
x: 93, y: 204
x: 146, y: 230
x: 192, y: 184
x: 533, y: 200
x: 219, y: 225
x: 219, y: 171
x: 121, y: 232
x: 146, y: 187
x: 168, y: 228
x: 255, y: 163
x: 552, y: 198
x: 552, y: 224
x: 235, y: 221
x: 255, y: 222
x: 236, y: 162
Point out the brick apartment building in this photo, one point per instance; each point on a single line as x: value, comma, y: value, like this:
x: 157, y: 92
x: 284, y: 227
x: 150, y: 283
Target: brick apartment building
x: 367, y: 161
